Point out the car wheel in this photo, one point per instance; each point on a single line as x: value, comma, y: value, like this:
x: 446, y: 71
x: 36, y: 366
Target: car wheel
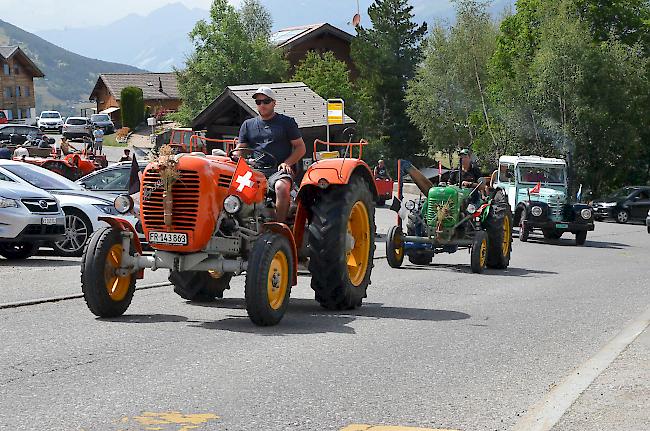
x: 622, y: 216
x: 77, y: 231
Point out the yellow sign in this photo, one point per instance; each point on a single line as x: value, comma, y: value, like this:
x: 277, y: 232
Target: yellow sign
x: 334, y: 112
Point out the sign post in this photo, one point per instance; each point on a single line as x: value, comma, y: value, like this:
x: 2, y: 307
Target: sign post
x: 335, y: 115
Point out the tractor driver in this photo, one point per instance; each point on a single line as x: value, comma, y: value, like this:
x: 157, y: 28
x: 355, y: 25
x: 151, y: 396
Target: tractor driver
x: 469, y: 174
x: 278, y: 135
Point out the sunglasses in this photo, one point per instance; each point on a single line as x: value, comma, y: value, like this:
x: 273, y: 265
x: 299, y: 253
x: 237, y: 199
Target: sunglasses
x: 266, y: 101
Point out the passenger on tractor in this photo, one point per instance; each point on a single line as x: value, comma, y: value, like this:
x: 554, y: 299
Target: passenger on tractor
x: 279, y: 136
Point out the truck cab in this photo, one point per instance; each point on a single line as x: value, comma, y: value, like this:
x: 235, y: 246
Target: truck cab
x: 538, y: 191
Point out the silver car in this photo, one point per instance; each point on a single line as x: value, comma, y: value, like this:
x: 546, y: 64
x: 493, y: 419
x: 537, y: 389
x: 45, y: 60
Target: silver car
x: 28, y: 217
x: 77, y: 127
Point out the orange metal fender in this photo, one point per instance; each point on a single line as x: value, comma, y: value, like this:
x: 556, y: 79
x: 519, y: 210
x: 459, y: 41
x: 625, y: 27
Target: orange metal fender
x: 284, y: 230
x: 338, y: 172
x: 122, y: 225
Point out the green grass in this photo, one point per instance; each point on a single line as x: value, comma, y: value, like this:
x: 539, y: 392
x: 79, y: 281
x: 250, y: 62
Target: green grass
x: 110, y: 141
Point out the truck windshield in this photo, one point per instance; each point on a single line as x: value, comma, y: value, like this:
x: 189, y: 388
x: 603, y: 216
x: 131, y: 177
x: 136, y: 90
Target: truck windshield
x: 546, y: 174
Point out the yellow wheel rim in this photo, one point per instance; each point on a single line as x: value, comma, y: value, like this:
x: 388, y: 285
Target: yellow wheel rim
x: 398, y: 246
x: 505, y: 247
x: 359, y: 229
x: 116, y: 286
x: 277, y: 280
x: 483, y: 252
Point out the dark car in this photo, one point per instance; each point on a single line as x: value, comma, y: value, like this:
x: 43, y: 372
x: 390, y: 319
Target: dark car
x: 647, y: 221
x: 18, y: 134
x: 103, y: 121
x: 113, y: 180
x: 628, y: 203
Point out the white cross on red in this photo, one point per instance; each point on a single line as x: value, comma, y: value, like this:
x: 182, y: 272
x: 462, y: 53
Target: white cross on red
x: 244, y: 181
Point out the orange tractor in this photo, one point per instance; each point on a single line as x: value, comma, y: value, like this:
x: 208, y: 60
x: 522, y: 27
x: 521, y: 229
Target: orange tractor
x: 206, y: 226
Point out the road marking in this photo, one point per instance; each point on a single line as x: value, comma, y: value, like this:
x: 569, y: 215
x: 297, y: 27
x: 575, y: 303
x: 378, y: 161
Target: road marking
x: 543, y: 415
x: 68, y: 297
x: 362, y: 427
x: 178, y: 421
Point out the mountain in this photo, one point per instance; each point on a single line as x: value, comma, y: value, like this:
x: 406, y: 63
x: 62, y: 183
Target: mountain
x: 156, y: 42
x: 69, y: 77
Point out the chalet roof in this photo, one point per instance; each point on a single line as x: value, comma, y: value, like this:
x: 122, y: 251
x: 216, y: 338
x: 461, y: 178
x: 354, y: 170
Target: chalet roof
x: 149, y: 83
x: 294, y: 99
x: 288, y: 37
x: 7, y: 52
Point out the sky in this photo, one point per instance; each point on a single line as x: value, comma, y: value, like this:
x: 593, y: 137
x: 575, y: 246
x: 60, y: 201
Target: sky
x: 38, y: 15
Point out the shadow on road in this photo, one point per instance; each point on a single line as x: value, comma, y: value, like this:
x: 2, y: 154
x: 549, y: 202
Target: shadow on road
x: 35, y: 262
x: 570, y: 242
x: 510, y: 272
x: 144, y: 318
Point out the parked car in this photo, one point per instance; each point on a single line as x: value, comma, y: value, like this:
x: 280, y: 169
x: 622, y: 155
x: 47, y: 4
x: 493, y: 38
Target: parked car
x: 77, y: 127
x: 3, y: 118
x: 628, y: 203
x: 104, y: 122
x: 81, y: 207
x: 50, y: 120
x: 113, y: 180
x: 30, y: 217
x: 17, y: 134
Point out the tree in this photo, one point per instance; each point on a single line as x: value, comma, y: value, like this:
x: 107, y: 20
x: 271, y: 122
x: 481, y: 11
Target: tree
x: 386, y: 56
x: 227, y: 51
x: 131, y: 106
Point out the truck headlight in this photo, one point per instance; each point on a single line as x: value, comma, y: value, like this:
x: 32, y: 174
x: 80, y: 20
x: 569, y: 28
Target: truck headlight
x: 232, y: 204
x: 8, y: 203
x: 471, y: 209
x: 536, y: 211
x: 586, y: 213
x: 123, y: 204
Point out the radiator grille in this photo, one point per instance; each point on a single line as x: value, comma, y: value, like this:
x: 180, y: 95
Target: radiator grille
x: 185, y: 195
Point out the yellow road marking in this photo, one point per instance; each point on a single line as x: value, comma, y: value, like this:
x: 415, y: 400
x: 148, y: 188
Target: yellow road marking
x: 178, y: 421
x: 362, y: 427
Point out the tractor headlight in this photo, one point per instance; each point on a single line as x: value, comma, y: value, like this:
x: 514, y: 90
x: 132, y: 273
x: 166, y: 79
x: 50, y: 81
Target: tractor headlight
x: 232, y: 204
x: 471, y: 209
x: 123, y: 204
x: 323, y: 183
x: 410, y: 205
x: 536, y: 211
x: 586, y: 213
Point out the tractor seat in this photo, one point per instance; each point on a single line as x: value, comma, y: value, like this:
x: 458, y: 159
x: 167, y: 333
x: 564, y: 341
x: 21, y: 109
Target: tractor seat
x: 323, y: 155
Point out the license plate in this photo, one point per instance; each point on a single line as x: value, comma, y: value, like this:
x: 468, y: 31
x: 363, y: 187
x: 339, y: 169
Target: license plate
x: 169, y: 238
x: 561, y: 226
x: 48, y: 220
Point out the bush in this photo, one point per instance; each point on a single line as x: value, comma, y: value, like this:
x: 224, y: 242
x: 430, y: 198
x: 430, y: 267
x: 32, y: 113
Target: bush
x: 132, y: 106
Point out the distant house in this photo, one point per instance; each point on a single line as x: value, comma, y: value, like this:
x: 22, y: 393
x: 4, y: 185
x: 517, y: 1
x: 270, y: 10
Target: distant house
x: 17, y: 73
x: 297, y: 41
x: 160, y: 91
x: 223, y: 117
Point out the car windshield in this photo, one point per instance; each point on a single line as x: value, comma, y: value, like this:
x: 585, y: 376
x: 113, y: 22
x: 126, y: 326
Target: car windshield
x: 50, y: 115
x: 76, y: 121
x: 41, y: 178
x: 100, y: 117
x: 547, y: 174
x: 622, y: 193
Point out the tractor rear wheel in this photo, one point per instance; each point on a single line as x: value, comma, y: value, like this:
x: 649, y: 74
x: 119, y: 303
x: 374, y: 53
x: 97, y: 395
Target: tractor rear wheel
x: 341, y: 241
x: 499, y: 229
x: 106, y: 293
x: 395, y: 247
x: 269, y: 278
x: 199, y: 286
x: 479, y: 252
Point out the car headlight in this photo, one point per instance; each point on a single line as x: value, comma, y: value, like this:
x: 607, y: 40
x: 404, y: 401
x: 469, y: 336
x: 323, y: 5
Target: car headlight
x: 536, y: 211
x: 232, y: 204
x: 8, y: 203
x: 108, y: 209
x: 586, y: 213
x: 123, y: 204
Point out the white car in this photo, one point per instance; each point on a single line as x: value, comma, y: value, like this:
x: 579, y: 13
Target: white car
x: 77, y: 127
x: 50, y: 120
x: 82, y: 207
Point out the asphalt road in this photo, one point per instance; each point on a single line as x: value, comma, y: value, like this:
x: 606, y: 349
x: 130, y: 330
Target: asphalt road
x: 432, y: 347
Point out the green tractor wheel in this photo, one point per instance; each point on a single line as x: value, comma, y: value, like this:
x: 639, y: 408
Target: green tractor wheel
x: 395, y: 247
x: 479, y: 252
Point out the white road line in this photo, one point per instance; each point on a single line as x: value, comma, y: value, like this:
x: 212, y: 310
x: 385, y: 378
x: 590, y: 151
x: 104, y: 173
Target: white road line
x: 547, y: 412
x: 67, y: 297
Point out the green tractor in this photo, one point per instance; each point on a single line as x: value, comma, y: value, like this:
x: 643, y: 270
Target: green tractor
x: 450, y: 218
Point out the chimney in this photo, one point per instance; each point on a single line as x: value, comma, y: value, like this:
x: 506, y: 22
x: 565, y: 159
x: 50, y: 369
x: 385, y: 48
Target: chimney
x: 160, y: 87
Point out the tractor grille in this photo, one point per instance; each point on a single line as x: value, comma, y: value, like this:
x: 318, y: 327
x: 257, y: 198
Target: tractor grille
x: 432, y: 213
x: 224, y: 181
x: 185, y: 194
x: 41, y: 205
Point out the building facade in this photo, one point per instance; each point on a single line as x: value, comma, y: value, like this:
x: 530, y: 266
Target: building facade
x: 17, y: 73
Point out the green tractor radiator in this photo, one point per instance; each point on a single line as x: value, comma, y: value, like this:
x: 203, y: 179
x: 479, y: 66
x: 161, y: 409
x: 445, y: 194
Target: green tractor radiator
x: 445, y: 202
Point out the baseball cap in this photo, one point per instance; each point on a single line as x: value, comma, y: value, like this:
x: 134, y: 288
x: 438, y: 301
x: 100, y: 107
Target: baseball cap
x: 265, y: 91
x: 464, y: 152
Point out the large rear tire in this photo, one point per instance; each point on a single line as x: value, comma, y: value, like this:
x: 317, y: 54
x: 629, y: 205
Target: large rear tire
x: 499, y: 230
x: 199, y: 286
x: 342, y: 244
x: 106, y: 294
x: 269, y: 278
x: 18, y: 250
x: 395, y: 247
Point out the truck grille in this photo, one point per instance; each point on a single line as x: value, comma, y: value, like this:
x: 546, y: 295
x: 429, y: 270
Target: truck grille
x: 556, y: 211
x: 41, y: 205
x: 185, y: 194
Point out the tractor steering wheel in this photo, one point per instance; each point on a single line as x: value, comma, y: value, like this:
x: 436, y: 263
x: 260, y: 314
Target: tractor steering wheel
x: 257, y: 158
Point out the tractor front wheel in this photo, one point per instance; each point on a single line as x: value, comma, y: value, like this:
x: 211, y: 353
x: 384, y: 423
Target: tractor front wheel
x: 395, y: 247
x: 269, y: 278
x: 342, y: 244
x: 106, y: 293
x: 479, y: 252
x: 524, y: 231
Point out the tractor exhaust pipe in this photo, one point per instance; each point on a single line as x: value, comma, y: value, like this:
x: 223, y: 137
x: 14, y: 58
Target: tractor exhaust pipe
x: 423, y: 183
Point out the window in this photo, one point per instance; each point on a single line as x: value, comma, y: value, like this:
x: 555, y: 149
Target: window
x: 7, y: 92
x: 18, y: 91
x: 27, y: 91
x: 115, y: 179
x: 3, y: 177
x: 6, y: 69
x: 16, y: 69
x: 19, y: 113
x: 507, y: 173
x: 644, y: 195
x: 10, y: 114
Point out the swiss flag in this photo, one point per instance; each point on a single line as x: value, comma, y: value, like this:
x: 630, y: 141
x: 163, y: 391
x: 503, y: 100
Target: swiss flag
x: 243, y: 184
x: 536, y: 189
